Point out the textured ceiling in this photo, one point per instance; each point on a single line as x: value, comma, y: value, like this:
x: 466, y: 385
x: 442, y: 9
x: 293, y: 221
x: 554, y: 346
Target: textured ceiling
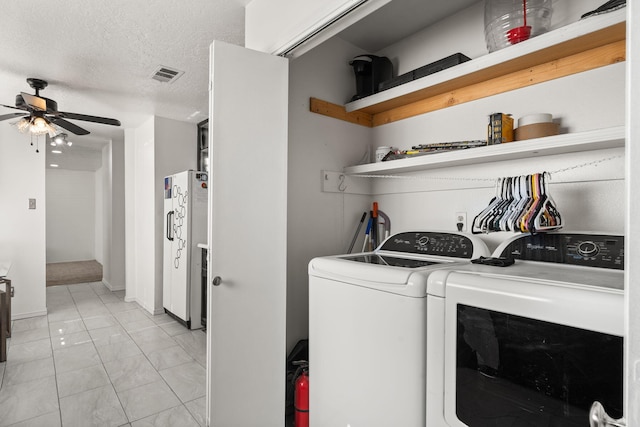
x: 98, y: 56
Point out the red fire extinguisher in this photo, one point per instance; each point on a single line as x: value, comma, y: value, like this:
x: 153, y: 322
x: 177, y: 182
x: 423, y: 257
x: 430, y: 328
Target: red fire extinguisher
x: 301, y: 395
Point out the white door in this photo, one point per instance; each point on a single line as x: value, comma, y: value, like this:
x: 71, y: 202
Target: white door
x: 247, y: 238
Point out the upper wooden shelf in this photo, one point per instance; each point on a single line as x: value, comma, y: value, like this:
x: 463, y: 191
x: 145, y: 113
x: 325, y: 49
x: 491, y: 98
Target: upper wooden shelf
x: 584, y: 45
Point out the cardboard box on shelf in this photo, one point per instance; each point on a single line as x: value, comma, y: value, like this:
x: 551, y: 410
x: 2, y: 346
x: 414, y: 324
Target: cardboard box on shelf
x: 500, y: 129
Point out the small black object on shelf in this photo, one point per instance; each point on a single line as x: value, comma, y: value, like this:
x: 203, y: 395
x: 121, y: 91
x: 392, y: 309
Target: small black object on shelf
x: 370, y: 71
x: 609, y: 6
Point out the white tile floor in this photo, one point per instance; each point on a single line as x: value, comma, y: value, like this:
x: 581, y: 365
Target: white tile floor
x: 96, y: 360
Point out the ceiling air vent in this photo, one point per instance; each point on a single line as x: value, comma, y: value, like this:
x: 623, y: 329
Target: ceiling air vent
x: 166, y: 74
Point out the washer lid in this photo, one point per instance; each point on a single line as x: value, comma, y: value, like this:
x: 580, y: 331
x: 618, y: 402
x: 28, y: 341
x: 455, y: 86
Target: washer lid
x: 390, y: 260
x: 340, y: 269
x: 411, y: 282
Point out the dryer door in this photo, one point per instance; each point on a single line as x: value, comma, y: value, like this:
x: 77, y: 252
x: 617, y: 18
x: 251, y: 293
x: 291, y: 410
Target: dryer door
x: 530, y: 353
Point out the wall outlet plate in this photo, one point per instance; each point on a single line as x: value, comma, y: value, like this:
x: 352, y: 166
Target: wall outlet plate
x: 32, y: 203
x: 461, y: 221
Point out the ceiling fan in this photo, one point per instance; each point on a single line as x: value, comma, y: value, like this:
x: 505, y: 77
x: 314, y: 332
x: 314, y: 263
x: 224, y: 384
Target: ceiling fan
x: 42, y: 112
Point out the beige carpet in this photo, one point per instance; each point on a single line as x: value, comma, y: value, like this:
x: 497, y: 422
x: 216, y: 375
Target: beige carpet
x: 69, y: 273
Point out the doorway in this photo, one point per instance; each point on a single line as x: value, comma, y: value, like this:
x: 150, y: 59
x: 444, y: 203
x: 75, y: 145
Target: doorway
x: 75, y: 217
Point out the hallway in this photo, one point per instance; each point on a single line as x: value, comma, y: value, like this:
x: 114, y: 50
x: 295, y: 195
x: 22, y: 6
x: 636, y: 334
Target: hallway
x: 95, y: 360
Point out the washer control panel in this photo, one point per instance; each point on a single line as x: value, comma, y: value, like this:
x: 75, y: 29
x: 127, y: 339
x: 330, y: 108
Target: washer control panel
x: 430, y: 243
x: 589, y: 250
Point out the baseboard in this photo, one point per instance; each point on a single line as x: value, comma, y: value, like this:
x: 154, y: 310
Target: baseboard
x: 111, y: 287
x: 154, y: 311
x: 141, y: 304
x: 18, y: 316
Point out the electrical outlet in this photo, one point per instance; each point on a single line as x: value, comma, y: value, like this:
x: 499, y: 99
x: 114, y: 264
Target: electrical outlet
x: 461, y: 221
x: 32, y: 203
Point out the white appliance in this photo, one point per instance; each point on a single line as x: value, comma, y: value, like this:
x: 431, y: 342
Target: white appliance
x: 367, y: 329
x: 531, y: 344
x: 185, y: 226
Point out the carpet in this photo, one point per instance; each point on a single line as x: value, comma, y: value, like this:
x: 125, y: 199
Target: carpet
x: 69, y: 273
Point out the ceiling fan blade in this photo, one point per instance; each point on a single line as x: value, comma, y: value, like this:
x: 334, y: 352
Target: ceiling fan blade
x: 11, y: 116
x: 68, y: 126
x: 34, y: 102
x: 86, y: 118
x: 13, y: 108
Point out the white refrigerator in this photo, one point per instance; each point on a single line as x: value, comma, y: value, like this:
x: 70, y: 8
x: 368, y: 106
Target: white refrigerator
x: 185, y: 226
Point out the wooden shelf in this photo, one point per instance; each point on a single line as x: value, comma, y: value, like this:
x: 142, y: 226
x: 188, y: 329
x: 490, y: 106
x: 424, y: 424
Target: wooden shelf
x: 584, y: 45
x: 568, y: 143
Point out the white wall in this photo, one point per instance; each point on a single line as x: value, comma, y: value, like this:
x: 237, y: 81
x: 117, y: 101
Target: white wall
x: 116, y: 248
x: 140, y: 248
x: 71, y: 215
x: 110, y: 203
x: 102, y: 202
x: 157, y: 148
x: 22, y: 231
x: 318, y: 223
x: 131, y: 288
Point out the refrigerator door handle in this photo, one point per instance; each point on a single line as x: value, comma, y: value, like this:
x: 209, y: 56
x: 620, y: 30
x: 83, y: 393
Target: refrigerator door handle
x: 170, y: 225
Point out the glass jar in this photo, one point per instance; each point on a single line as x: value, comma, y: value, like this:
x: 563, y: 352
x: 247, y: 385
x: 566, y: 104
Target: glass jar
x: 508, y: 22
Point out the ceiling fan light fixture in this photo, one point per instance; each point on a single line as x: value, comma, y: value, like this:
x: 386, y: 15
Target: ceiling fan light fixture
x: 35, y: 126
x: 39, y: 123
x: 23, y: 125
x: 61, y: 139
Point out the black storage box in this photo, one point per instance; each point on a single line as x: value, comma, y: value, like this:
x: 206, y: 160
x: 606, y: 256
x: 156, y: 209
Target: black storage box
x: 434, y: 67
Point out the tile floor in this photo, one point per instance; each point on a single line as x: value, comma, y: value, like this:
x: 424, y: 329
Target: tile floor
x: 95, y: 360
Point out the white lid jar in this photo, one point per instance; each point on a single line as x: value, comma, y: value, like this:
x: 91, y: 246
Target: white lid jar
x: 381, y: 152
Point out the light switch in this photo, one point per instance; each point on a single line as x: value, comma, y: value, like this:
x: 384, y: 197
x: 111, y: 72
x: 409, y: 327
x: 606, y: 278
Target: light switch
x: 32, y: 203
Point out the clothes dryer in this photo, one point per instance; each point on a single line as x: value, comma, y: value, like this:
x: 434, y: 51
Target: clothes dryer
x: 531, y: 344
x: 367, y: 329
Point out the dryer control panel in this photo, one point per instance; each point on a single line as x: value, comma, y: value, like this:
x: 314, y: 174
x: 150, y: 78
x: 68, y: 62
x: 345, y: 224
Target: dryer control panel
x: 431, y: 243
x: 589, y: 250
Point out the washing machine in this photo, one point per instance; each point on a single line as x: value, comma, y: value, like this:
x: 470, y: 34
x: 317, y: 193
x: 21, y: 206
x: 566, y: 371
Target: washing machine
x: 533, y: 343
x: 367, y: 329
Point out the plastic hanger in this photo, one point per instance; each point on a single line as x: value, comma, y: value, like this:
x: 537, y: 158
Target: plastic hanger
x: 479, y: 224
x: 549, y: 217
